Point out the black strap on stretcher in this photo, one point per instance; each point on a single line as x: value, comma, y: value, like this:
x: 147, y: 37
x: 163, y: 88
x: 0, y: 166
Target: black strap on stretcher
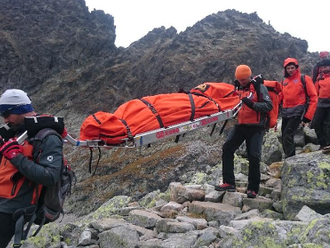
x: 154, y: 111
x: 128, y: 130
x: 224, y: 125
x: 210, y: 98
x: 192, y: 115
x: 91, y: 160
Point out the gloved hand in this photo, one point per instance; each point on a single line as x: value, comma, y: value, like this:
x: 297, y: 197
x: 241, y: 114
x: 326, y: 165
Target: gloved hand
x: 259, y: 79
x: 248, y: 102
x: 305, y: 120
x: 11, y: 149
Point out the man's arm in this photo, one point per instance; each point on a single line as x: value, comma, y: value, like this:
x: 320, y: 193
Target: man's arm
x: 265, y: 103
x: 47, y: 170
x: 313, y: 98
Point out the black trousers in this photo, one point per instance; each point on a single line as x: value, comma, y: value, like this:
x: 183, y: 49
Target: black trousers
x: 321, y: 124
x: 253, y: 137
x: 289, y: 129
x: 7, y: 229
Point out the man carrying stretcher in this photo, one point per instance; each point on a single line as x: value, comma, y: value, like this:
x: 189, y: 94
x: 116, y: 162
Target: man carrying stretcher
x: 252, y: 119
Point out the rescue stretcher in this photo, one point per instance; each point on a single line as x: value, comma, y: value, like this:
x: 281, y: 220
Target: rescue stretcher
x: 141, y: 122
x: 147, y: 138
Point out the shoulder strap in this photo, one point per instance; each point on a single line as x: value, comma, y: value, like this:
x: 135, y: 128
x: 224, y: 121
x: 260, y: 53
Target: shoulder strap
x: 256, y: 86
x: 40, y: 136
x: 302, y: 78
x: 303, y: 81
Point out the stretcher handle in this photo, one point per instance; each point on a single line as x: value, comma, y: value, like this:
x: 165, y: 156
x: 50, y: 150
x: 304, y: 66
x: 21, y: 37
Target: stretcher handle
x: 67, y: 138
x: 81, y: 143
x: 21, y: 138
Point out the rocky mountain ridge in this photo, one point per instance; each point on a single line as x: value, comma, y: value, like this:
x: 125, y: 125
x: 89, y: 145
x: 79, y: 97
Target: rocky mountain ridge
x: 65, y: 58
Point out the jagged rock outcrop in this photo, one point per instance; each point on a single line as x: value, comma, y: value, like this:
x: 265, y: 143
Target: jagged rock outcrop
x: 43, y: 38
x: 64, y: 56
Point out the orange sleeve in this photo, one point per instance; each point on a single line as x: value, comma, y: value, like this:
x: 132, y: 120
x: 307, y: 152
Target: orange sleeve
x: 280, y: 94
x: 317, y: 87
x: 313, y: 98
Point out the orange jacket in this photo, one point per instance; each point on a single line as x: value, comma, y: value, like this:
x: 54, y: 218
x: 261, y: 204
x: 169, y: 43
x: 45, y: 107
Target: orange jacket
x: 323, y: 90
x: 257, y: 115
x: 12, y: 182
x: 293, y: 95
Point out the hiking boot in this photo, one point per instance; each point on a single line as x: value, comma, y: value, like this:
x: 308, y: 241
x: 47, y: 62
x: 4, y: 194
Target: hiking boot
x: 251, y: 194
x: 225, y: 187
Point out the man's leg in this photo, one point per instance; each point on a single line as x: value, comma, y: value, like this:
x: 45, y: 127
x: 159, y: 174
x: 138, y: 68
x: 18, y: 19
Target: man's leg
x: 319, y: 125
x: 254, y: 145
x: 234, y: 140
x: 7, y: 229
x: 327, y: 126
x: 288, y: 132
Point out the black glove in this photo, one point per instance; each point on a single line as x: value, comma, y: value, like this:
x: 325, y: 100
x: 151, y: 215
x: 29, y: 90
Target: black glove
x: 305, y: 120
x: 259, y: 79
x: 248, y: 102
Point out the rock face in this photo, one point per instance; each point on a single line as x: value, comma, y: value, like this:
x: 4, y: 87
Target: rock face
x: 43, y: 38
x: 306, y: 182
x: 65, y: 58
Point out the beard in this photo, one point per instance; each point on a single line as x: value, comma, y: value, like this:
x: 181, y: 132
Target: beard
x: 7, y: 132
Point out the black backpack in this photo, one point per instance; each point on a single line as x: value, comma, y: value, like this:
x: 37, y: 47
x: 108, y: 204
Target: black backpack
x: 51, y: 199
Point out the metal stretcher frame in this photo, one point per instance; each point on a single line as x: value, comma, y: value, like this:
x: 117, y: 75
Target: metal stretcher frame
x: 152, y: 136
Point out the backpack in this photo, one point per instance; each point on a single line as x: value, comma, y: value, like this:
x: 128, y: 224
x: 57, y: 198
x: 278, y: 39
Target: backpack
x: 50, y: 202
x: 303, y: 81
x: 274, y: 88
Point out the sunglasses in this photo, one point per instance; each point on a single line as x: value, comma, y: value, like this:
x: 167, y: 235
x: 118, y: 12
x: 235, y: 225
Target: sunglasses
x: 7, y: 112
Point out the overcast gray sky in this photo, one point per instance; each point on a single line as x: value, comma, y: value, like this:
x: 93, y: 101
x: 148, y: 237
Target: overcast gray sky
x: 308, y: 20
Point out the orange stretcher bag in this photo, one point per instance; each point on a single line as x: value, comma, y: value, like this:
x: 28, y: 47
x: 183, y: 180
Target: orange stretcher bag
x: 158, y: 111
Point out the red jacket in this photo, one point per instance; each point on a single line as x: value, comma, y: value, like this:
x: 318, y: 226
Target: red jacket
x: 293, y: 95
